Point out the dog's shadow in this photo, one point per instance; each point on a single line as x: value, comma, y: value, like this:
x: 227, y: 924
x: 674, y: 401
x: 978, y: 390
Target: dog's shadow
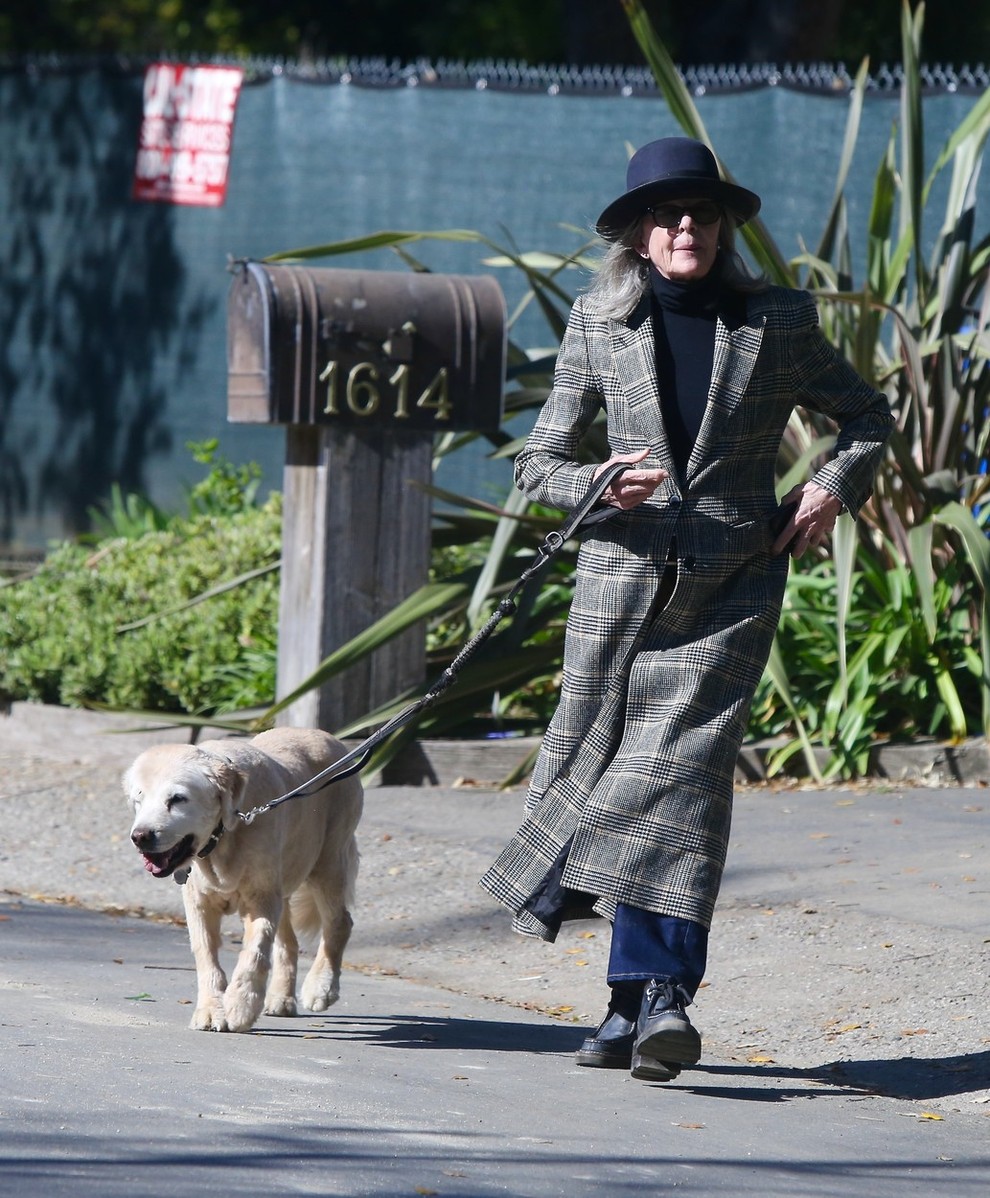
x: 908, y: 1078
x: 412, y: 1032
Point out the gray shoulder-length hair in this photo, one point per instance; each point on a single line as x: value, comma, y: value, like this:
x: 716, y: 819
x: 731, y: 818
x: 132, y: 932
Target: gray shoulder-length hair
x: 623, y: 275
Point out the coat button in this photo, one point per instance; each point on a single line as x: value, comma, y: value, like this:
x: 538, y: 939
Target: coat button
x: 674, y: 501
x: 688, y: 563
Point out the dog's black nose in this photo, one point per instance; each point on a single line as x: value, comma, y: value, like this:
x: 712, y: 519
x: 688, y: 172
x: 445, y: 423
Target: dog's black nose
x: 143, y: 840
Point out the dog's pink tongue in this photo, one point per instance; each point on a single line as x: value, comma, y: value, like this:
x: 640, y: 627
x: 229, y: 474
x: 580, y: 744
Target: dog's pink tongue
x: 153, y: 865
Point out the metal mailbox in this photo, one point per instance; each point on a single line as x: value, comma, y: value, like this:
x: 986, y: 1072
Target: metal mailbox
x: 365, y: 348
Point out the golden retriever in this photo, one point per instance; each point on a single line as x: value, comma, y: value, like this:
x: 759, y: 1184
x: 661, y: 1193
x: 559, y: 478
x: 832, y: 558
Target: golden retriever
x: 290, y: 872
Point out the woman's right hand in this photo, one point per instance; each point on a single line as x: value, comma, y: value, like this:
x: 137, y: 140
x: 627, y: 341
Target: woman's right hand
x: 629, y: 489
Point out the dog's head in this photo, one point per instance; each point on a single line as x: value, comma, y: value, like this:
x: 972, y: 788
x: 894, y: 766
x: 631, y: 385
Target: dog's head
x: 181, y: 795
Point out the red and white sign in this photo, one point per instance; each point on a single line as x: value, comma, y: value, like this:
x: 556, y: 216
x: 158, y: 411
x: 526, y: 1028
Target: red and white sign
x: 184, y: 147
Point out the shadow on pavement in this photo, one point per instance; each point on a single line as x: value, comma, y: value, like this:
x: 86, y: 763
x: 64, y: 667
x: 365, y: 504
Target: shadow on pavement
x: 910, y: 1078
x: 411, y: 1031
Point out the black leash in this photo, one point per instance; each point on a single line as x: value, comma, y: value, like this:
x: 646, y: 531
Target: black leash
x: 355, y: 760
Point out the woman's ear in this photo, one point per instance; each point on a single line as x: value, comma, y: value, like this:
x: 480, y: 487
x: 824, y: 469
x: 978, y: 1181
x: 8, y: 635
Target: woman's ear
x: 642, y: 245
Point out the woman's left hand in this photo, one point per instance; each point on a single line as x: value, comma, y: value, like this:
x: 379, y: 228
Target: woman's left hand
x: 813, y: 519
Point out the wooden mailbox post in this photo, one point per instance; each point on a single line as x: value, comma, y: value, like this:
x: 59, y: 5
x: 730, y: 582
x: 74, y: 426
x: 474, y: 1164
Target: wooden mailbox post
x: 364, y: 368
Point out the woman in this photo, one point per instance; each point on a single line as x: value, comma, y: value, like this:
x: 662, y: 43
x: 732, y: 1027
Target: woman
x: 697, y: 365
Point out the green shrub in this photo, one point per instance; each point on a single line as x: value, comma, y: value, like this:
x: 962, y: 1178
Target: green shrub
x: 897, y: 684
x: 146, y: 621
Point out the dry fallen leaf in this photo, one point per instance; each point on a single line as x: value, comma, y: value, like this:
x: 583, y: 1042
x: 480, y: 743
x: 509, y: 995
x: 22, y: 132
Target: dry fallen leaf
x: 586, y: 936
x: 690, y: 1126
x: 915, y: 1031
x: 759, y: 1058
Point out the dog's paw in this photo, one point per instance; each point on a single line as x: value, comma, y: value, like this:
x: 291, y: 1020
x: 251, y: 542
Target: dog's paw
x: 241, y: 1007
x: 282, y: 1006
x: 320, y: 992
x: 208, y: 1019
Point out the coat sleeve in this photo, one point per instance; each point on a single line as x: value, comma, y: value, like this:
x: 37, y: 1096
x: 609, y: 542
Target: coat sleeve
x: 546, y: 468
x: 825, y: 382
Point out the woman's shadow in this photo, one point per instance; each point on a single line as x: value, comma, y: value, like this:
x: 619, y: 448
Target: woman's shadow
x: 914, y: 1079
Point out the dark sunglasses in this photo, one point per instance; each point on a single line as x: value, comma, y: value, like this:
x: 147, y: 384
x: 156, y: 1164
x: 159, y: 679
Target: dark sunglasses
x: 702, y: 212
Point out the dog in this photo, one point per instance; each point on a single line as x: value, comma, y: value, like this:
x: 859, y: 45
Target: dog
x: 291, y: 872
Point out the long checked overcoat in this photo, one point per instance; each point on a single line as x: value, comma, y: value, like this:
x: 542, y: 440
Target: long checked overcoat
x: 631, y: 796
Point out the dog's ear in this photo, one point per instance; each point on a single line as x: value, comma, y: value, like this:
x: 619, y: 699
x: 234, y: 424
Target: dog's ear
x: 230, y: 783
x: 129, y: 781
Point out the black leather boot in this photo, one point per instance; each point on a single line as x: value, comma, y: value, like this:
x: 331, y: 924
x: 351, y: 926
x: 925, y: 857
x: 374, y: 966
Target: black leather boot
x: 611, y: 1047
x: 665, y: 1038
x: 612, y: 1044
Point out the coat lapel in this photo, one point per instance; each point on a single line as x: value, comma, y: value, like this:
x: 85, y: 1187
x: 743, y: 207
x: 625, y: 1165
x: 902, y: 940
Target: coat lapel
x: 635, y: 357
x: 736, y: 351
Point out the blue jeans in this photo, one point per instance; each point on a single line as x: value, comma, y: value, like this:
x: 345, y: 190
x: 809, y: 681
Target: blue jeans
x: 646, y: 945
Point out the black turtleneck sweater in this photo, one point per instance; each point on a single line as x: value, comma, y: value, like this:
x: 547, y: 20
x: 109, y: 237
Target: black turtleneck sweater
x: 684, y: 317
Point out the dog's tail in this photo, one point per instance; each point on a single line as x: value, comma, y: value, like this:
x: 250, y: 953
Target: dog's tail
x: 305, y: 917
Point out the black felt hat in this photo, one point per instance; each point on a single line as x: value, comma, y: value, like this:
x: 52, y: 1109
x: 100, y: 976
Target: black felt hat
x: 674, y: 168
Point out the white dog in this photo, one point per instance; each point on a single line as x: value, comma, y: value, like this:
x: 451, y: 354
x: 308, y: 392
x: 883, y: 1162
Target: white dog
x: 290, y: 871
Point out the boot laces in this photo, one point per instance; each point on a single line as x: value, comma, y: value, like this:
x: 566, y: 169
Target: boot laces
x: 664, y: 993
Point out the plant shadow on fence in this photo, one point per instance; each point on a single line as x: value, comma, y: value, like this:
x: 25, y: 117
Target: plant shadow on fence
x: 98, y: 276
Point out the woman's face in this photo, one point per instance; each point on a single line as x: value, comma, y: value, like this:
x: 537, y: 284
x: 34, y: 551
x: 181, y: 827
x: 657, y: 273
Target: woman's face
x: 680, y: 238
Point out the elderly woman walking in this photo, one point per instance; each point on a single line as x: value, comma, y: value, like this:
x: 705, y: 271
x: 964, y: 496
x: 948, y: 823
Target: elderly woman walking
x: 697, y: 365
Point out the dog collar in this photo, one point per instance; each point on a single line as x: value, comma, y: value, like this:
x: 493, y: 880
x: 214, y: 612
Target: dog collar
x: 214, y: 840
x: 181, y: 876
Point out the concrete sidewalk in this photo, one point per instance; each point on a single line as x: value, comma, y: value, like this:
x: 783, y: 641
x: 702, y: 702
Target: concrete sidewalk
x: 849, y: 971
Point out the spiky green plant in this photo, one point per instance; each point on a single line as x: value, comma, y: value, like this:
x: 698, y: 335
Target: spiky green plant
x: 914, y: 325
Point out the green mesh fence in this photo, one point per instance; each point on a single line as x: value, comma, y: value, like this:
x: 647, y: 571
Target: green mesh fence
x: 112, y: 311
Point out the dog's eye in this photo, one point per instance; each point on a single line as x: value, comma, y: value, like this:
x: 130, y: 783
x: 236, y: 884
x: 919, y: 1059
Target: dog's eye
x: 176, y: 801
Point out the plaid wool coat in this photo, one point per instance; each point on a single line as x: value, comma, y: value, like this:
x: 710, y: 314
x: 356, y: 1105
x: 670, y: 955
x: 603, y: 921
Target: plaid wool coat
x: 631, y: 796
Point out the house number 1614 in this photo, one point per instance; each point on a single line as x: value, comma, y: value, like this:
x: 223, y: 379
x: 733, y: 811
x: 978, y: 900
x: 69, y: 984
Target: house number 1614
x: 362, y: 392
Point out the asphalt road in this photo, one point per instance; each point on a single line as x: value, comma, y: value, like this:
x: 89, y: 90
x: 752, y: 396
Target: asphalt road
x: 846, y: 1017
